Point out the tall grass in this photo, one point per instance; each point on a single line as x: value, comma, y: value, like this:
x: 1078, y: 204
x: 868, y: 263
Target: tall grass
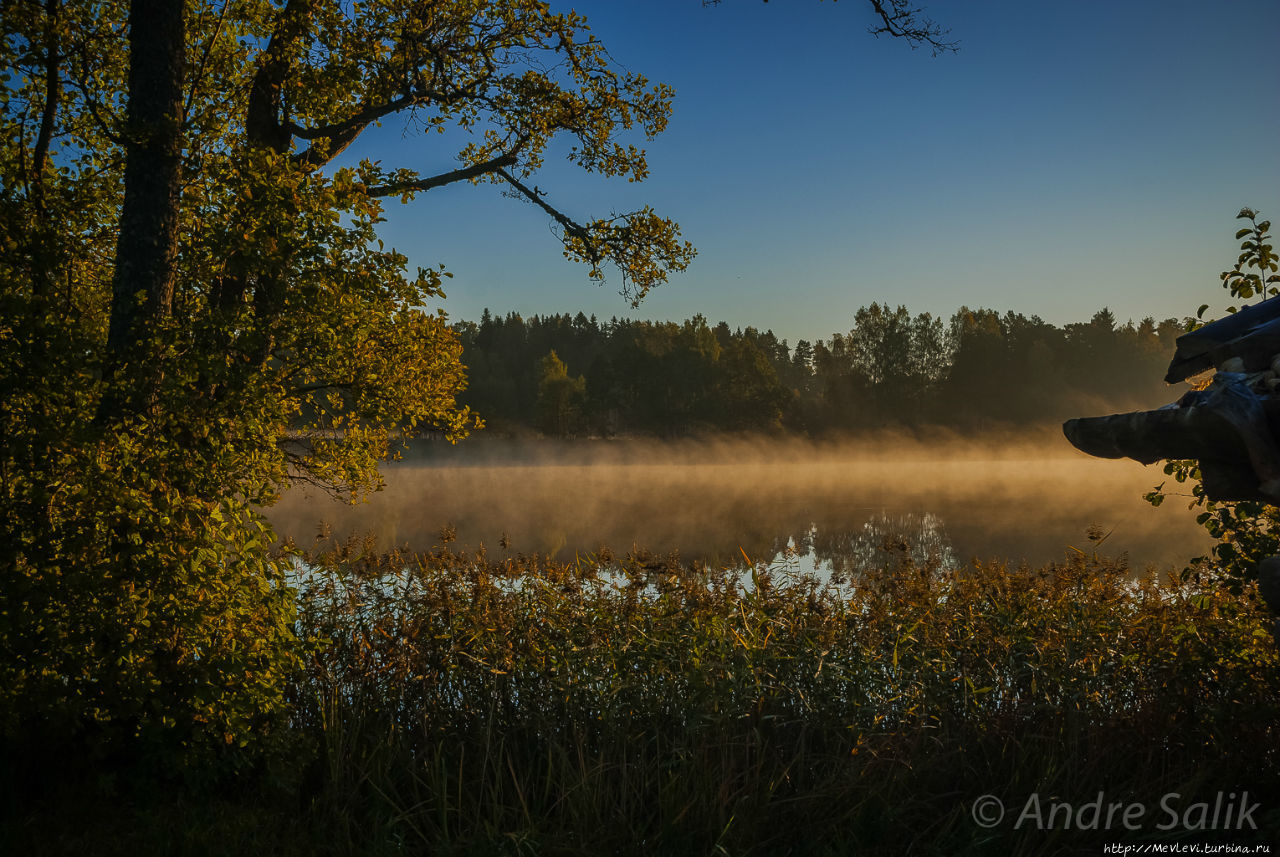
x: 462, y: 704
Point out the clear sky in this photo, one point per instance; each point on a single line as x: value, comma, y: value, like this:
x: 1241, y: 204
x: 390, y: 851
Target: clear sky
x: 1074, y: 154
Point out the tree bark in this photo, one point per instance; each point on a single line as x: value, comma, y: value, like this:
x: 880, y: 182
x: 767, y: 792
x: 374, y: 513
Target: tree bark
x: 147, y: 249
x: 41, y: 246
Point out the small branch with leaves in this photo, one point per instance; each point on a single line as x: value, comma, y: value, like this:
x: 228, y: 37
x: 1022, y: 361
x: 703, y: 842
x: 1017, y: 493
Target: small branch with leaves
x: 1256, y: 252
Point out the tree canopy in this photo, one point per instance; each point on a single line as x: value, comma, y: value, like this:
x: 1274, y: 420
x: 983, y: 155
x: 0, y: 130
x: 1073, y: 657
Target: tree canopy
x: 212, y: 142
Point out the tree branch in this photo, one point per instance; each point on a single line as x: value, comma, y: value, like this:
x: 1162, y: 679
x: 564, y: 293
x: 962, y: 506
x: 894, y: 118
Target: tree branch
x: 204, y: 59
x: 361, y: 119
x: 570, y: 226
x: 494, y: 165
x: 297, y: 392
x: 340, y: 135
x: 91, y: 104
x: 263, y: 114
x: 900, y: 21
x: 52, y: 91
x: 39, y: 245
x: 315, y: 157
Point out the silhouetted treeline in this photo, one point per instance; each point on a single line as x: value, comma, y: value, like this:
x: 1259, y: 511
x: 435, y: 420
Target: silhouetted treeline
x: 575, y: 376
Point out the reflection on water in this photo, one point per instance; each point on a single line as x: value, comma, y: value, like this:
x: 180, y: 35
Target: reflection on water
x: 887, y: 539
x: 839, y: 507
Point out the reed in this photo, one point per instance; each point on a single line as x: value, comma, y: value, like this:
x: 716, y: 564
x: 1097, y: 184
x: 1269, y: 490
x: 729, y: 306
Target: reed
x: 464, y: 704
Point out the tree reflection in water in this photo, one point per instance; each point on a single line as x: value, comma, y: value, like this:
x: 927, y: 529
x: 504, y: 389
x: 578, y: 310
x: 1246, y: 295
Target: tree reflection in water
x: 886, y: 541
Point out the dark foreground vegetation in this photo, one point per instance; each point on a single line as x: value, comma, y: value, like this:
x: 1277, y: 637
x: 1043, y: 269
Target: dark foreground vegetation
x: 458, y: 704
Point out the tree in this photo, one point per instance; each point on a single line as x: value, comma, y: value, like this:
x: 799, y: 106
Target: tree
x: 751, y: 397
x: 197, y: 312
x: 560, y: 397
x: 900, y: 357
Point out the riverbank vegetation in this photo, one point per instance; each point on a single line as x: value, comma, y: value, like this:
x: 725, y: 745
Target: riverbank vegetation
x: 461, y: 704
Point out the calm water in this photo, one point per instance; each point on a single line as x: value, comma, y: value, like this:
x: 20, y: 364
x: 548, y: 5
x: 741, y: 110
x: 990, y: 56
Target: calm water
x: 834, y: 506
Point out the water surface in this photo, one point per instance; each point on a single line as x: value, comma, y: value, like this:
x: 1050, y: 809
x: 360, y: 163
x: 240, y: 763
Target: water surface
x: 835, y: 505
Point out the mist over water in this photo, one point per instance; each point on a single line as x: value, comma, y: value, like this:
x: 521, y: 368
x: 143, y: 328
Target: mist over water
x: 1018, y: 497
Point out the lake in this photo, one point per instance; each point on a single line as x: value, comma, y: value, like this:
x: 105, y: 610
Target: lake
x: 829, y: 506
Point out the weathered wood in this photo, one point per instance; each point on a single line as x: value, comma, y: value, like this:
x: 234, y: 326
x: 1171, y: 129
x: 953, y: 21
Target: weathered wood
x: 1229, y: 429
x: 1253, y: 333
x: 1149, y: 436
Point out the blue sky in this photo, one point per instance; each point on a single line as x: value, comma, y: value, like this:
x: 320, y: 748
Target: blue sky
x: 1072, y: 155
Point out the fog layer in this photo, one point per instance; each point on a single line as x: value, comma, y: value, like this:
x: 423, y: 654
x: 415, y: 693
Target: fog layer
x: 1025, y: 497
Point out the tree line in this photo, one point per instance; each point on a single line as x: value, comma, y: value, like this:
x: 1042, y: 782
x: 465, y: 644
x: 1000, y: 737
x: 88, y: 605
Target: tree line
x: 575, y: 376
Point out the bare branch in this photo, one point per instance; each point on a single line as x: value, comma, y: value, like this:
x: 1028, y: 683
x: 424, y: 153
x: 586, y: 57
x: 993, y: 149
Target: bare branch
x: 337, y: 136
x: 570, y: 226
x: 901, y: 21
x: 360, y: 120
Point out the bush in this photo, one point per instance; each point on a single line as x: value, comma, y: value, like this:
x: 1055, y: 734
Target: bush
x: 138, y: 621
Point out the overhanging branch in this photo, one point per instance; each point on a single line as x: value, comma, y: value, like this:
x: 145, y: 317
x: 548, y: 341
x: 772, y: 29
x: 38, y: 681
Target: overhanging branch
x: 901, y: 21
x: 359, y: 120
x: 570, y: 226
x: 494, y: 165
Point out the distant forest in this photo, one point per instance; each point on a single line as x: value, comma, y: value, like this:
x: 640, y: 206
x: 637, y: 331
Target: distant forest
x: 574, y: 376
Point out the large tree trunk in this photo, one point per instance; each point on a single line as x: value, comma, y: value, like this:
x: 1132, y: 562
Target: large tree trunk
x: 146, y: 253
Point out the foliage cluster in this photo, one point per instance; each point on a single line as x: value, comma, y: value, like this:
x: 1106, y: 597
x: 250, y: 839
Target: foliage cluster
x: 890, y: 368
x: 1254, y: 272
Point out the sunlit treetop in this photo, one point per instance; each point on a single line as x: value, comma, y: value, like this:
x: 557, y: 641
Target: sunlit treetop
x: 514, y: 73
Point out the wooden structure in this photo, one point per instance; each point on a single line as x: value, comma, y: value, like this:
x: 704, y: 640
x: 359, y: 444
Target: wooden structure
x: 1231, y: 425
